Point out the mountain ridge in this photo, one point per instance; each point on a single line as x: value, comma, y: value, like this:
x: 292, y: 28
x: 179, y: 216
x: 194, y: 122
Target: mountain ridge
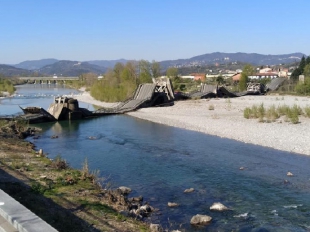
x: 75, y: 68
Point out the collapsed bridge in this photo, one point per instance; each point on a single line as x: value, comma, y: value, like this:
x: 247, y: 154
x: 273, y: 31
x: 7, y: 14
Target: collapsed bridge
x: 210, y: 91
x: 158, y: 93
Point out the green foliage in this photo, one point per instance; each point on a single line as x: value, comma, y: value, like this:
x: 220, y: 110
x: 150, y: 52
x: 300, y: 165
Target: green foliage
x: 272, y: 113
x: 6, y: 86
x: 59, y: 163
x: 302, y: 68
x: 220, y: 79
x: 247, y: 113
x: 120, y: 83
x: 97, y: 206
x: 247, y: 70
x: 145, y: 75
x: 38, y: 188
x: 303, y: 88
x: 155, y: 69
x: 172, y: 72
x: 307, y: 111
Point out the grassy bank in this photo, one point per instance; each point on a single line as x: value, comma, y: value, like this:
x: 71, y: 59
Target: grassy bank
x: 66, y: 198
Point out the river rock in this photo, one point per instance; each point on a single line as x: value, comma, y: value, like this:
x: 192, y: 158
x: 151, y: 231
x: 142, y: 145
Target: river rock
x: 217, y: 206
x: 135, y: 199
x: 200, y: 219
x: 146, y: 208
x: 190, y: 190
x: 156, y: 228
x: 173, y: 204
x: 289, y: 174
x: 124, y: 190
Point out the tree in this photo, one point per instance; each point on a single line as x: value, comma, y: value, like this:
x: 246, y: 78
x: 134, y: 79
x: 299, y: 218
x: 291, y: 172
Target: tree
x: 118, y: 68
x: 308, y: 60
x: 307, y: 70
x: 302, y: 64
x: 172, y: 72
x: 300, y: 69
x: 220, y: 80
x: 145, y: 75
x: 247, y: 71
x: 155, y: 69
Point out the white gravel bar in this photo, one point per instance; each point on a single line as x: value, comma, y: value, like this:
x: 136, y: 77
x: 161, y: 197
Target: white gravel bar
x: 227, y: 121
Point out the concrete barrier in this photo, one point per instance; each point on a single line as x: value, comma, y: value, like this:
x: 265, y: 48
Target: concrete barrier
x: 20, y: 217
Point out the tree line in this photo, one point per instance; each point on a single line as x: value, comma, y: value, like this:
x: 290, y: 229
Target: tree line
x: 120, y: 82
x: 302, y: 69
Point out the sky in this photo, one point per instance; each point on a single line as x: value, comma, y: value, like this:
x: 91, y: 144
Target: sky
x: 84, y: 30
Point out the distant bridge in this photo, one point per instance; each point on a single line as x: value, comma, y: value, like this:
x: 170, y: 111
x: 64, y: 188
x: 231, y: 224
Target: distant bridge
x: 48, y: 80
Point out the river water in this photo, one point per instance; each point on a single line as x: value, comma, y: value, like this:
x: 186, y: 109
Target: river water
x: 159, y: 162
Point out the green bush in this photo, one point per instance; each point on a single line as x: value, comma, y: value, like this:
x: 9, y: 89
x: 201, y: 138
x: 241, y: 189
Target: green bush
x: 247, y: 112
x: 6, y: 86
x: 307, y: 111
x: 272, y: 114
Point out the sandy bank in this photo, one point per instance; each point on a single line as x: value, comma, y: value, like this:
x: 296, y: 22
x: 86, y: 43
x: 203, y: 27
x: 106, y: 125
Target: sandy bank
x: 227, y: 120
x: 87, y: 98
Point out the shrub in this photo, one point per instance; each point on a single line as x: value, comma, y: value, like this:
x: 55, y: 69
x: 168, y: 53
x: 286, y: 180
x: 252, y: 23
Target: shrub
x: 59, y: 163
x: 272, y: 114
x: 247, y: 113
x: 38, y: 188
x: 283, y: 110
x: 261, y: 111
x: 307, y: 111
x: 211, y: 107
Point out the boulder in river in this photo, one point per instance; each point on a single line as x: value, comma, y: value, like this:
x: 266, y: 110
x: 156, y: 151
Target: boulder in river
x: 190, y: 190
x: 124, y: 190
x: 200, y: 219
x: 173, y: 204
x: 217, y: 206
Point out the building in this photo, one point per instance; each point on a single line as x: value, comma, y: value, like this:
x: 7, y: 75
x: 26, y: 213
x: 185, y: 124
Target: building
x: 199, y: 76
x: 258, y: 76
x: 236, y: 77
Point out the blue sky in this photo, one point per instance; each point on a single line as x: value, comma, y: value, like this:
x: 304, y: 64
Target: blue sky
x: 149, y: 29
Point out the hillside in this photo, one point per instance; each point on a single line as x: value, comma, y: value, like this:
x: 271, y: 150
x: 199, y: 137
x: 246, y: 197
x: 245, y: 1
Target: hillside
x: 107, y: 63
x: 9, y: 71
x: 35, y: 64
x: 195, y: 64
x: 71, y: 68
x: 226, y: 58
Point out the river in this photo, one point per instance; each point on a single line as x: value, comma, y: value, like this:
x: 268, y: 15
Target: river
x: 159, y: 162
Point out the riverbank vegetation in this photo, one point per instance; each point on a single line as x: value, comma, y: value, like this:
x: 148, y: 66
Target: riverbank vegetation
x: 77, y: 200
x: 303, y: 86
x: 119, y: 83
x: 6, y: 86
x: 271, y: 114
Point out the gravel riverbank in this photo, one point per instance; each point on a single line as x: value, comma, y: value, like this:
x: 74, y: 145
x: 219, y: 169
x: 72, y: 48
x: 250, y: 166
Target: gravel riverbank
x: 226, y: 120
